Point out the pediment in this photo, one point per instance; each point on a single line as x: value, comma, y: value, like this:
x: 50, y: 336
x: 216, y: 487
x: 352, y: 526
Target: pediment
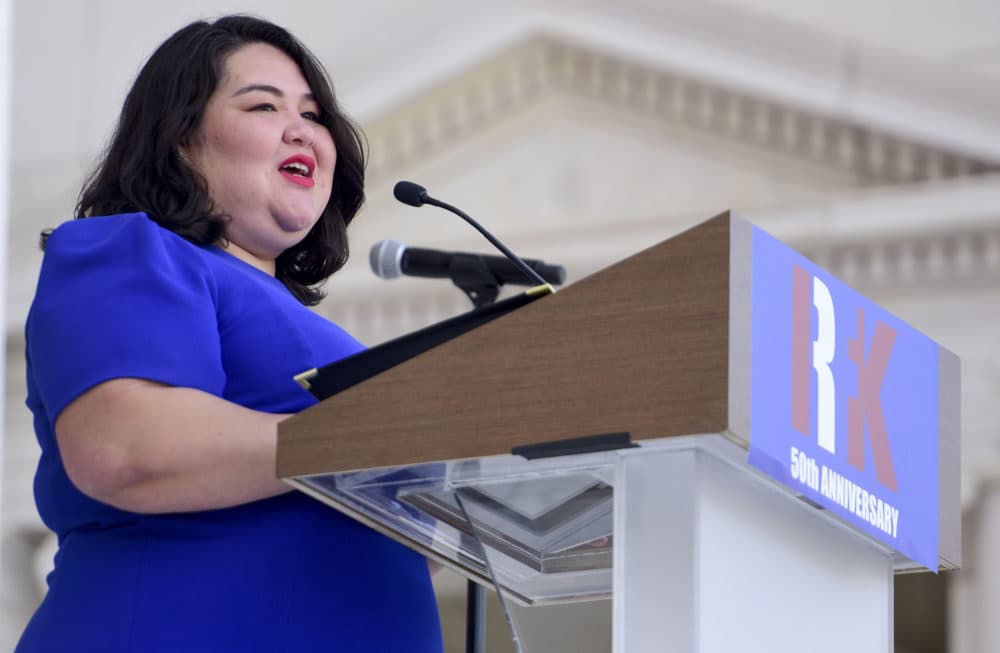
x: 540, y: 67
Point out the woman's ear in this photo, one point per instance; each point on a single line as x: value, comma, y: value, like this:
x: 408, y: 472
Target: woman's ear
x: 186, y: 147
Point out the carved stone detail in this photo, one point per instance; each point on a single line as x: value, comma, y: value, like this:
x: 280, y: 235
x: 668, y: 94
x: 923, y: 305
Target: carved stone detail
x: 942, y: 257
x: 545, y: 67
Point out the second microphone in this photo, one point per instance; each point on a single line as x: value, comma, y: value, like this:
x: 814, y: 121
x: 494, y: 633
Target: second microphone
x: 391, y: 258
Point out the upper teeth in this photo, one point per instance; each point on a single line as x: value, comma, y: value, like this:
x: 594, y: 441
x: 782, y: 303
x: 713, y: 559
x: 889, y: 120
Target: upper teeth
x: 297, y: 167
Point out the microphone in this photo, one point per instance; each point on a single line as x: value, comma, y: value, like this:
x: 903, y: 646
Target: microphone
x: 410, y: 193
x: 413, y: 194
x: 390, y: 259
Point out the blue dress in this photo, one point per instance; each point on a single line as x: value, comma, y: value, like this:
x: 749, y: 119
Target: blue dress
x: 119, y: 297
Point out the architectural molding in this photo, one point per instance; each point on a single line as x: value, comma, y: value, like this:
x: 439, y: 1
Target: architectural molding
x: 751, y: 48
x: 940, y: 258
x: 547, y: 66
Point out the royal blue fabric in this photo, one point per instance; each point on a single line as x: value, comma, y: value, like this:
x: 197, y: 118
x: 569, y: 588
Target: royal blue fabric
x: 119, y: 296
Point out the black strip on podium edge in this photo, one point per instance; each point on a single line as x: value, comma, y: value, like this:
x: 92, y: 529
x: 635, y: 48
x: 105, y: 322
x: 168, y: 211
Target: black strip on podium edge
x: 572, y: 446
x: 330, y: 379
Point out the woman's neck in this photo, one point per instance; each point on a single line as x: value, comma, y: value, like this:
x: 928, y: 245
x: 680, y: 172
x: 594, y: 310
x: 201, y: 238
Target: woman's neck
x: 265, y: 265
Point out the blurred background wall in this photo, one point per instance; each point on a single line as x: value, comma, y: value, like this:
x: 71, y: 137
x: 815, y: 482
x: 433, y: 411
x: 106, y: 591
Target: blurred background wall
x: 866, y: 134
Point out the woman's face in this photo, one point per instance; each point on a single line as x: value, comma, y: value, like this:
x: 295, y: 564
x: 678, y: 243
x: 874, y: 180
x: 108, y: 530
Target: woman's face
x: 267, y: 160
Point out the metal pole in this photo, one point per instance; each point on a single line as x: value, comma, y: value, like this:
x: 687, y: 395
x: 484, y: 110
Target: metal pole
x: 475, y: 618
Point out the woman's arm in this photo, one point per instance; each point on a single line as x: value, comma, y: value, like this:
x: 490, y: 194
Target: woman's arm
x: 150, y: 448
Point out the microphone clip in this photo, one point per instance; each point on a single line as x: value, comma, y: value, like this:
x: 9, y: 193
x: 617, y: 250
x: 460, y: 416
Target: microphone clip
x: 473, y: 276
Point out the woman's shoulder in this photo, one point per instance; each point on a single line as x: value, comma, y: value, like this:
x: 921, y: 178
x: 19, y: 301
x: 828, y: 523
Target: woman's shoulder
x: 97, y: 255
x: 126, y: 231
x: 126, y: 240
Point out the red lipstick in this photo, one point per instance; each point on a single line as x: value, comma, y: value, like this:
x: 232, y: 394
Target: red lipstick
x: 298, y: 169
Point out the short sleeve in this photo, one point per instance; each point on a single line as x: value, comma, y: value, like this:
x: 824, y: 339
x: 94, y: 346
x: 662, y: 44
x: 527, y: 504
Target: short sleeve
x: 120, y: 296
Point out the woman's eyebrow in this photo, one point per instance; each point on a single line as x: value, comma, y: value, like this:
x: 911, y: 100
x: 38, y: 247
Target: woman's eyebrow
x: 267, y: 88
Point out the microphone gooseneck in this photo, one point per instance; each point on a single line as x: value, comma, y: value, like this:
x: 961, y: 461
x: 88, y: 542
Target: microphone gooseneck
x: 413, y: 194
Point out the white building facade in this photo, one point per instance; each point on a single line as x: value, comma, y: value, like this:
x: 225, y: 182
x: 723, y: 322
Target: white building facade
x: 580, y: 133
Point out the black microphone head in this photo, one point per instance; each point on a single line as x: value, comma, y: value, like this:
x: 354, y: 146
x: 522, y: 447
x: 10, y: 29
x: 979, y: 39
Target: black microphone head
x: 555, y: 274
x: 386, y: 258
x: 410, y: 193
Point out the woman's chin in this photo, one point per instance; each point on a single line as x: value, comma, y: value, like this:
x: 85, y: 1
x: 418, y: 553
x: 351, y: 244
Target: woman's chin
x: 297, y: 224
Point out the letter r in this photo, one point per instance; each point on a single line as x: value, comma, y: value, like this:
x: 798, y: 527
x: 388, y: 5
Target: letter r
x: 818, y: 357
x: 823, y: 350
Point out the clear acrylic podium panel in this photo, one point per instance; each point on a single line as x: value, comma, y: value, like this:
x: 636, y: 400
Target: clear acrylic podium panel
x: 546, y: 525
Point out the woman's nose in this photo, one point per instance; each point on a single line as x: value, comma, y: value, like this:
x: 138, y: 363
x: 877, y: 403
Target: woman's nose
x: 300, y: 131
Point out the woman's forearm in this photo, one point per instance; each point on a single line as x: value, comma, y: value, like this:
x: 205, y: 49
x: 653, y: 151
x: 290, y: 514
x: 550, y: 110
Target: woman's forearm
x: 149, y: 448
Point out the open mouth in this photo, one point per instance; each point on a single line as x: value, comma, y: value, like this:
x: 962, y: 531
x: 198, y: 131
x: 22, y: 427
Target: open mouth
x: 298, y: 169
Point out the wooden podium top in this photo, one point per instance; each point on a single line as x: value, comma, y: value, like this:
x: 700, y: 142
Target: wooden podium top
x: 642, y: 347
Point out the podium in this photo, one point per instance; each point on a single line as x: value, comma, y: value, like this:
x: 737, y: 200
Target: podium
x: 734, y: 446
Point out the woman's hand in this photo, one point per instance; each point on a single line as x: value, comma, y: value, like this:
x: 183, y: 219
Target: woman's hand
x: 145, y: 447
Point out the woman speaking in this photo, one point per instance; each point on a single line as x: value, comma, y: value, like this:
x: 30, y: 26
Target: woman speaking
x: 166, y: 329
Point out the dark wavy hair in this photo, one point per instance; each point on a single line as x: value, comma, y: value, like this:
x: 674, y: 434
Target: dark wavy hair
x: 142, y: 168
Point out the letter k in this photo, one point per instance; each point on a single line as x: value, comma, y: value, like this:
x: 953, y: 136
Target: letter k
x: 867, y: 406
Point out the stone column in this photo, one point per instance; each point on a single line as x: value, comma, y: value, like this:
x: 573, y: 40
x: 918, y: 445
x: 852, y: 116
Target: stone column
x: 6, y: 95
x: 987, y: 567
x: 974, y: 591
x: 6, y: 102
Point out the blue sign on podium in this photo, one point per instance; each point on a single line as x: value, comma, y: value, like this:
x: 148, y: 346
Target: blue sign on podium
x: 844, y: 406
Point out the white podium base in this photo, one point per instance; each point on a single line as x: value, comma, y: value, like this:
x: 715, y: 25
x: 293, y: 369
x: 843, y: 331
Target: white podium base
x: 715, y: 559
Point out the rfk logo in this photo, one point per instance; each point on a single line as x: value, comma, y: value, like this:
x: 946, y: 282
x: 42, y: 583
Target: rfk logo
x: 817, y: 355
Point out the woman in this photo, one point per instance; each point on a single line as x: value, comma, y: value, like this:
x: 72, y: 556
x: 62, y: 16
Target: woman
x: 161, y: 347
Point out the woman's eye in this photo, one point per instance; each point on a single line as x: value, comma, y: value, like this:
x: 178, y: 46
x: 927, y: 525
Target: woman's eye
x: 264, y: 107
x: 311, y: 115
